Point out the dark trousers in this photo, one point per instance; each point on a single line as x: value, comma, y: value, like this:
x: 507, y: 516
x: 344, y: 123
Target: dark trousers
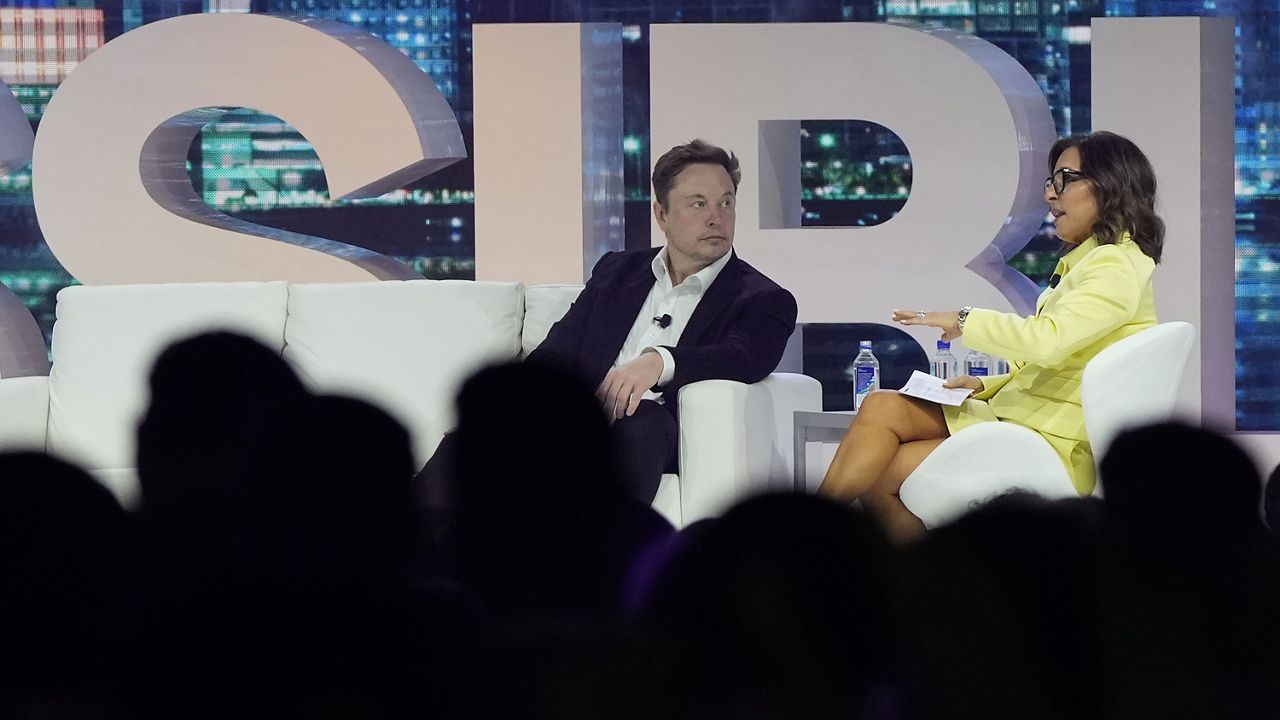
x: 647, y: 446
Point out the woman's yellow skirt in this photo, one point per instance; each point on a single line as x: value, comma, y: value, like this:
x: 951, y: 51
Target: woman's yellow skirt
x: 1076, y: 455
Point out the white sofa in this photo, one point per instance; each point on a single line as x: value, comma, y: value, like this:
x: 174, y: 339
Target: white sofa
x: 405, y: 346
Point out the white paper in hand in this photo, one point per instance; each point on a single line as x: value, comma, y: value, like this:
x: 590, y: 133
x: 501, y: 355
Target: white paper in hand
x: 928, y: 387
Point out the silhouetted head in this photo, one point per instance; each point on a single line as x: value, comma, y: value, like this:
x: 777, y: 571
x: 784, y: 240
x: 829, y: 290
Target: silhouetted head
x: 63, y: 574
x: 537, y: 495
x: 1180, y: 481
x: 782, y: 600
x: 536, y: 435
x: 214, y: 397
x: 331, y: 491
x: 1198, y: 581
x: 1012, y: 590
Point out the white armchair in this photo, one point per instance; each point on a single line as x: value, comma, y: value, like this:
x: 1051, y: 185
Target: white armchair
x: 735, y: 440
x: 1133, y: 382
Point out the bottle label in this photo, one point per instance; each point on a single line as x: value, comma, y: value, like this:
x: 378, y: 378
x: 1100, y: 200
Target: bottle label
x: 979, y: 371
x: 865, y: 380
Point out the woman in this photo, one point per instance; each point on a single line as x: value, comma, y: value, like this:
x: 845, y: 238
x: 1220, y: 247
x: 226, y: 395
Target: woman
x: 1101, y: 192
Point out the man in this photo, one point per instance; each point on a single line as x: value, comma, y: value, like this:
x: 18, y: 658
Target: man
x: 651, y: 321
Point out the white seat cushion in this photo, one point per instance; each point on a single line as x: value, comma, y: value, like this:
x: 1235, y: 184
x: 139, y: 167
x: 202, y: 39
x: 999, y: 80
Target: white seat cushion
x: 106, y: 340
x: 406, y: 346
x: 544, y: 305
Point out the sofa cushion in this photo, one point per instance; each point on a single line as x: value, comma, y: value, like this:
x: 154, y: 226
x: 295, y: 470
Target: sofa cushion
x: 544, y: 305
x: 106, y: 339
x: 406, y: 346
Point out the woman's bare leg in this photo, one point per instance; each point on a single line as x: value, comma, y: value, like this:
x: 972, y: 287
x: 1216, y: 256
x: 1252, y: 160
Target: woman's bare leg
x: 885, y: 421
x: 882, y: 500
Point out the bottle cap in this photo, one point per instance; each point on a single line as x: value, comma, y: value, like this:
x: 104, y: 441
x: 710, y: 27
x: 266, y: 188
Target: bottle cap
x: 864, y: 344
x: 944, y: 345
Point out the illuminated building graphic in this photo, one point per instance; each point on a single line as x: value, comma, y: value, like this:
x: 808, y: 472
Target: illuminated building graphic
x: 853, y: 173
x: 229, y: 6
x: 41, y: 46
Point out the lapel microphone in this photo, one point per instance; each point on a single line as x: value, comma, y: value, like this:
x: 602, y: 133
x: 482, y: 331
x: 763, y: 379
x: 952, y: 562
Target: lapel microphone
x: 1053, y: 282
x: 662, y: 321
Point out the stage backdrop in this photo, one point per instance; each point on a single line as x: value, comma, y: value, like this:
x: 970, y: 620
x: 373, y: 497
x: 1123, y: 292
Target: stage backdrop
x: 853, y: 172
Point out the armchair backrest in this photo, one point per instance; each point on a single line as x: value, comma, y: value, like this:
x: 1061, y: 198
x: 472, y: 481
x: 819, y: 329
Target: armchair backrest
x: 404, y: 345
x: 1134, y: 382
x: 107, y: 338
x: 544, y: 305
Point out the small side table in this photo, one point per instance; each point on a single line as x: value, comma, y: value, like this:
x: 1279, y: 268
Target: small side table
x: 816, y: 427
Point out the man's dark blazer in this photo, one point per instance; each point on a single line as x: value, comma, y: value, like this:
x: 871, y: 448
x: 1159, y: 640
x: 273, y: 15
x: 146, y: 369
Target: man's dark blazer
x: 738, y: 331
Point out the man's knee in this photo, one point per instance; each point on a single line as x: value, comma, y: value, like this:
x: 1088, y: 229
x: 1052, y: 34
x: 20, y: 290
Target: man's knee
x: 651, y: 422
x: 646, y: 446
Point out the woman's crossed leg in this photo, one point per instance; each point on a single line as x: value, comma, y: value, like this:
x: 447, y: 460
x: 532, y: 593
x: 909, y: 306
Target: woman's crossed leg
x: 889, y: 438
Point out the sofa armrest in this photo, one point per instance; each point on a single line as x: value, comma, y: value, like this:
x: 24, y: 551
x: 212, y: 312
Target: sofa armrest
x: 737, y: 439
x: 24, y: 413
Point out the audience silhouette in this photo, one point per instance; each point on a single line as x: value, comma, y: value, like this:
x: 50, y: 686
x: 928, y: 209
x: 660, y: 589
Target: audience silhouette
x: 1196, y: 578
x: 277, y: 565
x: 279, y: 536
x: 779, y: 608
x: 1000, y: 610
x: 64, y: 569
x: 542, y: 526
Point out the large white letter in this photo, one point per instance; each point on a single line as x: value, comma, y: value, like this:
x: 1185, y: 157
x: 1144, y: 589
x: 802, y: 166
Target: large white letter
x: 1168, y: 85
x: 975, y: 123
x: 548, y: 150
x: 111, y: 189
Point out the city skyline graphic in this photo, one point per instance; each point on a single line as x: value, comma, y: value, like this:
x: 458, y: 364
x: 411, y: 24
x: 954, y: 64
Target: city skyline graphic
x: 259, y: 169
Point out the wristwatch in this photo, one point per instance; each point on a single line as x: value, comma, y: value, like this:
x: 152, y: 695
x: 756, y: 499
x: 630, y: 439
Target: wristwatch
x: 964, y: 315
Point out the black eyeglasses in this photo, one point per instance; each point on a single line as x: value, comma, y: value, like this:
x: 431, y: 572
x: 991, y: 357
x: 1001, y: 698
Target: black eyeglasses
x: 1061, y: 178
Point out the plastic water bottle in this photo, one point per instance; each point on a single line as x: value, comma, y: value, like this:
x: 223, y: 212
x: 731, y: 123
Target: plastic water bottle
x: 1002, y: 367
x: 944, y: 364
x: 978, y: 364
x: 866, y: 374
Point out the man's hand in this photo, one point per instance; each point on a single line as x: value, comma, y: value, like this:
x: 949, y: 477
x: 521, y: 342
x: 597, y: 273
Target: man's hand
x: 626, y: 384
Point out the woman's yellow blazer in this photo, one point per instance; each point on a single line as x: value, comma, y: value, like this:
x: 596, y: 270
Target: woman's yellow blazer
x: 1104, y: 294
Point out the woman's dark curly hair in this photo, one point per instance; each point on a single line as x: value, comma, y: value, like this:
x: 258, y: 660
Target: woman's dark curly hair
x: 1124, y: 186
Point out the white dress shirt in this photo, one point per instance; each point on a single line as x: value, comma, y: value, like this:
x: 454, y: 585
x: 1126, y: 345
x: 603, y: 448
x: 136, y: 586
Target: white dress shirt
x: 679, y: 302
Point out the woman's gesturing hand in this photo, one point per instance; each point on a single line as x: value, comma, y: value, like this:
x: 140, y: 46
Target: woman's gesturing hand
x: 964, y: 381
x: 946, y: 320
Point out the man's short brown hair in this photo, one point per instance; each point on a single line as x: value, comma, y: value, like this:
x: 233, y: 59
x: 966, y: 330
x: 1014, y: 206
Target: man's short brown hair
x: 696, y: 152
